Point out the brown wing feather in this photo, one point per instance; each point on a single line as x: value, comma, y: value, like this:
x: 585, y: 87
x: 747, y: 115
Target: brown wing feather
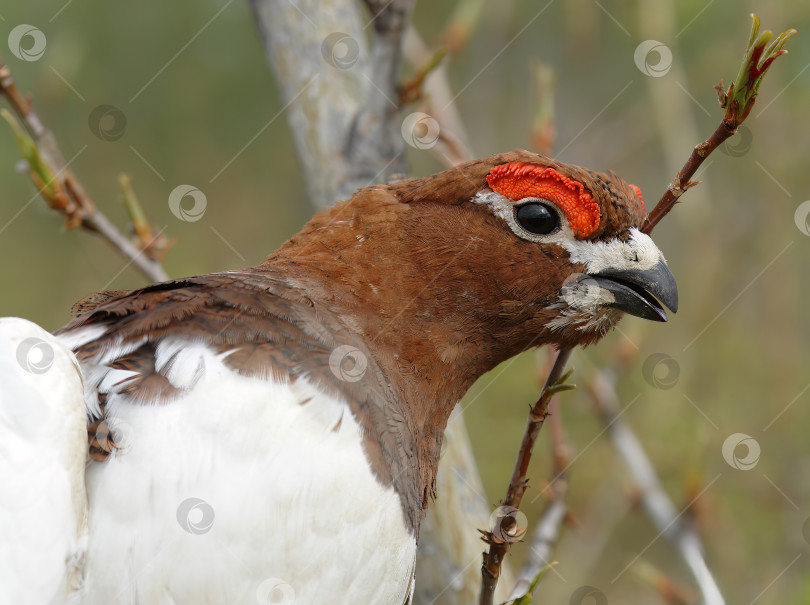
x: 273, y: 332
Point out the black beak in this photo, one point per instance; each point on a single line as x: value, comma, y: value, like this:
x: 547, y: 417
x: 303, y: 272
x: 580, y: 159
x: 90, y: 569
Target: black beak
x: 639, y: 292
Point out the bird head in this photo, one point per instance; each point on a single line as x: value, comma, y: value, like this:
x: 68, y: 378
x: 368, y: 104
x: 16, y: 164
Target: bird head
x: 585, y: 225
x: 475, y: 264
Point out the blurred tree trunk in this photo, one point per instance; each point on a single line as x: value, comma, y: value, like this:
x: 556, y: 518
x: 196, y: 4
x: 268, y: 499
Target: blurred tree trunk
x: 340, y: 96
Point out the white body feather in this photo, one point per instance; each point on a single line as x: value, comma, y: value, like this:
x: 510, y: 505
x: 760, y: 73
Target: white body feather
x: 43, y: 449
x: 242, y: 490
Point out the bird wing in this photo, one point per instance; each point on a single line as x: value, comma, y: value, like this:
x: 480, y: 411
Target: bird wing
x: 221, y: 418
x: 135, y: 347
x: 43, y: 445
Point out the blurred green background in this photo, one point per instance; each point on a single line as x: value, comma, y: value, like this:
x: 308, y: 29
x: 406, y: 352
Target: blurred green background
x: 741, y: 339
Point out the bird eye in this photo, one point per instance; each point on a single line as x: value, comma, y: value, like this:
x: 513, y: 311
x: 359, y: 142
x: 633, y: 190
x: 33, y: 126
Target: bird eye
x: 537, y: 218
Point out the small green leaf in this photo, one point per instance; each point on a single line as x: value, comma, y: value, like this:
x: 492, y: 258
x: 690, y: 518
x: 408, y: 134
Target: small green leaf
x: 139, y: 223
x: 30, y: 153
x: 761, y: 52
x: 559, y: 388
x: 561, y: 384
x: 565, y: 377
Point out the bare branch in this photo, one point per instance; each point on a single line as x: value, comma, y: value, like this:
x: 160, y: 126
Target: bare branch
x: 493, y: 558
x: 548, y: 528
x: 436, y: 97
x: 656, y: 502
x: 737, y: 102
x: 62, y: 189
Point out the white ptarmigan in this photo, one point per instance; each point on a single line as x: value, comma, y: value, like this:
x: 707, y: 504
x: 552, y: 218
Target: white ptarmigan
x: 273, y: 433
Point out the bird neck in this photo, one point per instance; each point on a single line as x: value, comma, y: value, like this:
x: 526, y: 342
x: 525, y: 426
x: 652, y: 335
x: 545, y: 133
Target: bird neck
x: 435, y: 318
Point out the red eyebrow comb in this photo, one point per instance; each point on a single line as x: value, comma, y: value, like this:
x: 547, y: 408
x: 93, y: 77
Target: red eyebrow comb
x: 519, y: 180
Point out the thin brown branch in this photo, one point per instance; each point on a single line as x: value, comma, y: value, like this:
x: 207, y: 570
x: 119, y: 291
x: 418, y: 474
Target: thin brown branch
x: 537, y: 416
x: 681, y: 182
x: 493, y: 558
x: 737, y: 101
x: 19, y: 103
x: 549, y: 526
x: 412, y: 89
x: 436, y: 101
x: 63, y: 191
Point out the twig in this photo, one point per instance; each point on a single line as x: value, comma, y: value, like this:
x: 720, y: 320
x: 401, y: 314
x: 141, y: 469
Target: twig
x: 62, y: 189
x: 547, y: 530
x: 681, y: 182
x: 155, y: 246
x: 463, y: 22
x: 411, y: 90
x: 737, y: 102
x: 658, y: 581
x: 544, y: 81
x: 435, y: 93
x: 519, y: 480
x: 436, y: 97
x: 655, y: 500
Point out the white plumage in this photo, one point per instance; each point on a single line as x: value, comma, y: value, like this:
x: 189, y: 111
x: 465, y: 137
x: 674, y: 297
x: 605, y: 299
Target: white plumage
x: 242, y: 490
x: 43, y: 452
x: 264, y: 497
